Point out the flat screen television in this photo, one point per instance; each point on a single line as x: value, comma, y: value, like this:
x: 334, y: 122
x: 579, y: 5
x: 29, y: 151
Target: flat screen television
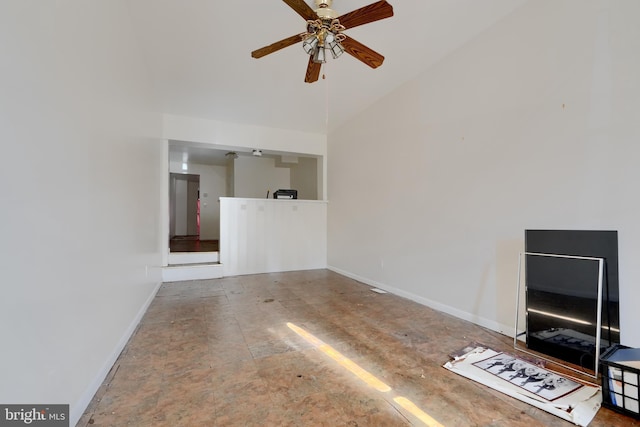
x: 561, y: 293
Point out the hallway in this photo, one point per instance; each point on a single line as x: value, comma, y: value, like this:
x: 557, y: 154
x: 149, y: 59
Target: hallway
x: 294, y: 349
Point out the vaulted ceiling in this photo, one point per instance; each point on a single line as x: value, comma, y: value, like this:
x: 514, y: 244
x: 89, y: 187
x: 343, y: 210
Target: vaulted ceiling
x: 199, y: 57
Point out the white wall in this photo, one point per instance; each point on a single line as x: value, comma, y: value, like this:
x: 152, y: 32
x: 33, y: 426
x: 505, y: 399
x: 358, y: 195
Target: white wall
x: 304, y: 178
x: 255, y: 176
x: 533, y: 124
x: 213, y: 185
x: 80, y: 200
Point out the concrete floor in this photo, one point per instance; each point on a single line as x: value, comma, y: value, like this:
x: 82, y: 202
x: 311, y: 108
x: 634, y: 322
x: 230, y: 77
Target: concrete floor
x: 308, y: 348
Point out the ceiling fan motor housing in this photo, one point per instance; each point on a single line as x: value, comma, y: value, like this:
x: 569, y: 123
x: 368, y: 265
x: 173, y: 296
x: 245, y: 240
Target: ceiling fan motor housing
x: 323, y: 9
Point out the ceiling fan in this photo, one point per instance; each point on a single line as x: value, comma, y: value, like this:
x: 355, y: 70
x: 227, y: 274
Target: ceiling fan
x: 325, y: 32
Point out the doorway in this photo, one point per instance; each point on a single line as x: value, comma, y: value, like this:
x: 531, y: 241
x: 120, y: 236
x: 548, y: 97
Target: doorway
x: 184, y: 214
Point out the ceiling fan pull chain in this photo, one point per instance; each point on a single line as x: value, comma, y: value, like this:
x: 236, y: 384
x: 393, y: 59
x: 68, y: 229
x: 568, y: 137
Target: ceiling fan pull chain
x: 326, y: 98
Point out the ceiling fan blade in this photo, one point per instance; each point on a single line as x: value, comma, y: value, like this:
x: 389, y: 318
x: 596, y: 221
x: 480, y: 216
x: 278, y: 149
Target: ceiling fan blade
x: 373, y: 12
x: 313, y: 71
x: 263, y: 51
x: 302, y: 9
x: 362, y: 53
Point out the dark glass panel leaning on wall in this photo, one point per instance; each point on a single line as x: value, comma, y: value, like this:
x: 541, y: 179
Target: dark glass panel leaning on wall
x: 561, y: 294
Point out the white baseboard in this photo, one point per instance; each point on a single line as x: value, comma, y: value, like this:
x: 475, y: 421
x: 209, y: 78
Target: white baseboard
x: 77, y: 410
x: 473, y: 318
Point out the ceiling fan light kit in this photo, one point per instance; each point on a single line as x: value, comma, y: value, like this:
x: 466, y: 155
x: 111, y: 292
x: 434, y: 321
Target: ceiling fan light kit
x: 325, y: 32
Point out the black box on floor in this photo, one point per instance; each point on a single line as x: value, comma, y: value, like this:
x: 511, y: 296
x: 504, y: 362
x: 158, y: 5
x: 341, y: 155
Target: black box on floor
x: 285, y: 194
x: 620, y: 369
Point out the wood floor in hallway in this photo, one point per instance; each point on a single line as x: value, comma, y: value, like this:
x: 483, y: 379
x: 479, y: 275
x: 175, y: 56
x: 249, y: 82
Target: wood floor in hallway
x: 301, y: 349
x: 192, y: 244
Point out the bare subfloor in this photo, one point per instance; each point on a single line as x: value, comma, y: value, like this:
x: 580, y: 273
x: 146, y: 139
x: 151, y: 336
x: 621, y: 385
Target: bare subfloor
x: 225, y: 352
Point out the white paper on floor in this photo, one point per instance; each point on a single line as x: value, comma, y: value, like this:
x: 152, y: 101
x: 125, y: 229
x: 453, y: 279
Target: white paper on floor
x: 560, y: 396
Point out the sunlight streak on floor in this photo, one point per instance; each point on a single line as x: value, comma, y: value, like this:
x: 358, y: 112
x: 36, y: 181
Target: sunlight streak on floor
x: 417, y: 412
x: 364, y: 375
x: 345, y: 362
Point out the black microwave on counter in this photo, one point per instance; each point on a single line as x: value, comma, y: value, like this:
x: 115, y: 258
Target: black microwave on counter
x: 285, y: 194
